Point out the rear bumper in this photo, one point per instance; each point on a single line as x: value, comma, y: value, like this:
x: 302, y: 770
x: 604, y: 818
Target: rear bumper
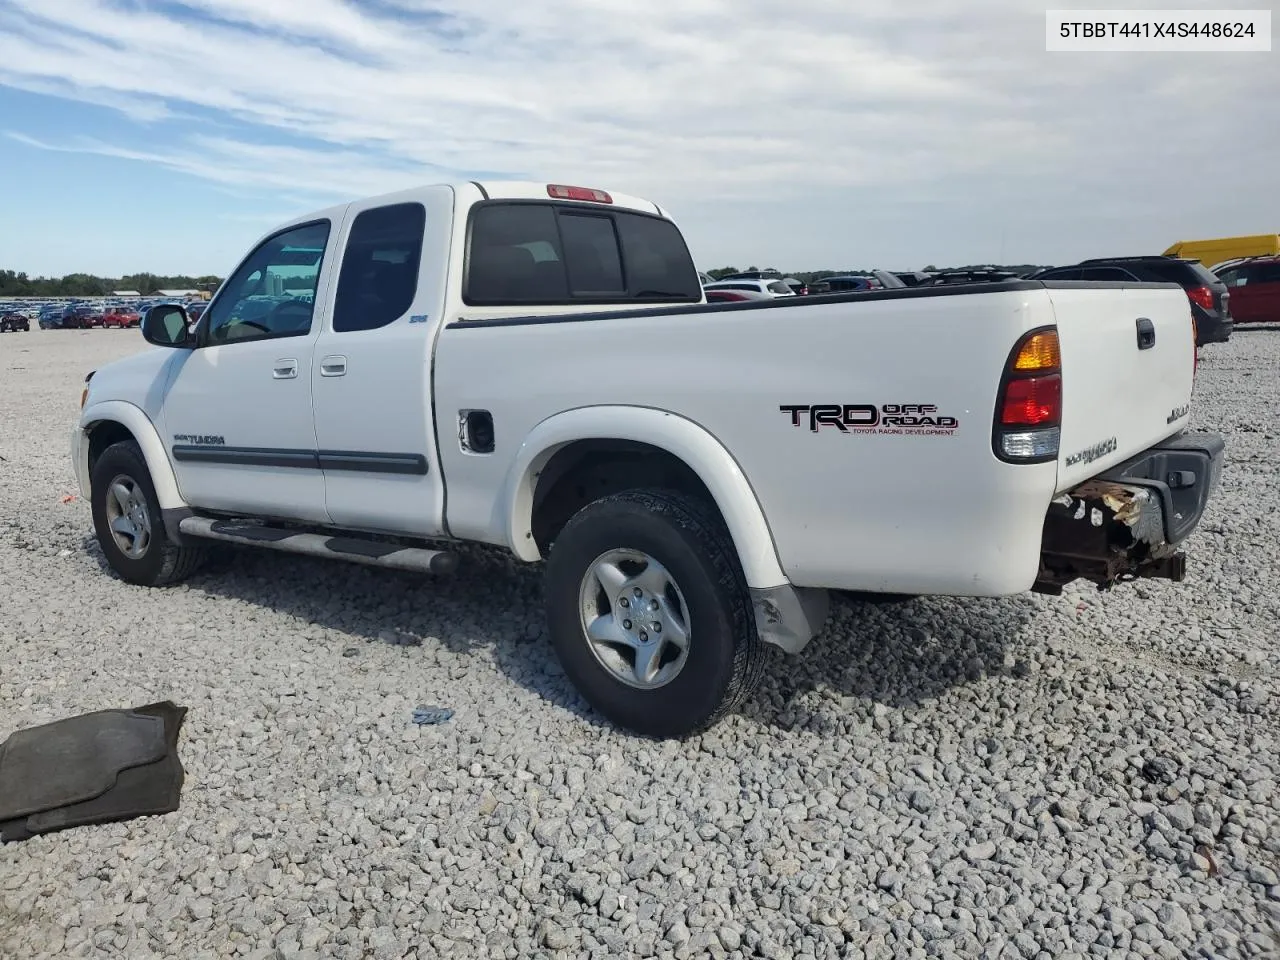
x: 1212, y: 327
x: 1128, y: 522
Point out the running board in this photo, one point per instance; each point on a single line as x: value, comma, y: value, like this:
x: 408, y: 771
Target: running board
x: 371, y: 552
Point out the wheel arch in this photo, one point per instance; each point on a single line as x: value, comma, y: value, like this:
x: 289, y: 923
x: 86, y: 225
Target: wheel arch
x: 553, y: 447
x: 112, y: 421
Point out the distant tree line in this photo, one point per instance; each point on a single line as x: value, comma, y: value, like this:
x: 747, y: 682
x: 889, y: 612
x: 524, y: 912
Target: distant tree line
x: 809, y: 276
x: 15, y: 284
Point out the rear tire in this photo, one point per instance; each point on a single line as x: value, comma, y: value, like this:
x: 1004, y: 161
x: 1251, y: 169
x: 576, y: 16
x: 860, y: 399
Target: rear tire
x: 129, y: 524
x: 670, y: 558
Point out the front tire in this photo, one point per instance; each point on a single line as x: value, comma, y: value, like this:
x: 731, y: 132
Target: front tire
x: 649, y: 612
x: 129, y: 524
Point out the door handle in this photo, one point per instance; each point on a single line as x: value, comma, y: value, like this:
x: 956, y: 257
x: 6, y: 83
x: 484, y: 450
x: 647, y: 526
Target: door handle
x: 285, y: 369
x: 333, y: 366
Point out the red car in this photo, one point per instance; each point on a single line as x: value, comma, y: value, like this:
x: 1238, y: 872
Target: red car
x: 121, y: 317
x: 1254, y: 285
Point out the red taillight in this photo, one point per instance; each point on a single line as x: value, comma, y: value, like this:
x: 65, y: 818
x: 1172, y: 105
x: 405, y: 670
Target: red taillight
x: 577, y: 193
x: 1033, y: 402
x: 1202, y: 296
x: 1029, y: 407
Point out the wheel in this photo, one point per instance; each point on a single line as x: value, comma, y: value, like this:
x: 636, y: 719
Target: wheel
x: 127, y: 520
x: 649, y: 612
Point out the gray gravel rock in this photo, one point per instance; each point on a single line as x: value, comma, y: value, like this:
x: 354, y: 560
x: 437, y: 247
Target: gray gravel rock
x: 1089, y: 775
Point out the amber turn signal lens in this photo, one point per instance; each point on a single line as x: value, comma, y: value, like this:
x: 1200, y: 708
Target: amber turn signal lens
x: 1040, y: 352
x: 84, y: 395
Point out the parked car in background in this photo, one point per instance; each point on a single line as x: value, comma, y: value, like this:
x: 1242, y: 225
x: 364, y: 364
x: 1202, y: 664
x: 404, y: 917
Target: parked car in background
x: 982, y: 275
x: 753, y: 275
x: 1254, y: 286
x: 724, y: 295
x: 50, y: 317
x: 914, y: 278
x: 81, y: 316
x: 121, y: 317
x: 196, y: 310
x: 772, y: 287
x: 1208, y: 295
x: 846, y: 284
x: 12, y: 321
x: 798, y: 287
x: 705, y: 278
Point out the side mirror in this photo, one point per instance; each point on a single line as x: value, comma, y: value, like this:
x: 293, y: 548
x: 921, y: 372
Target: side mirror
x: 166, y: 325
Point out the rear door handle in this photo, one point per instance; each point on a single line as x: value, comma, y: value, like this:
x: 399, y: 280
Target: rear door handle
x: 333, y: 366
x: 285, y: 369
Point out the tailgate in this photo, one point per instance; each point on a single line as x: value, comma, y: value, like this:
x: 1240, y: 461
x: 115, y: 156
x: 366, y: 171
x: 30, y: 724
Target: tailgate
x: 1128, y: 362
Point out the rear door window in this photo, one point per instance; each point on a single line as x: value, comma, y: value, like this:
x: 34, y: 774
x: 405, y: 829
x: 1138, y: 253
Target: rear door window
x: 1264, y: 273
x: 379, y: 277
x: 548, y: 253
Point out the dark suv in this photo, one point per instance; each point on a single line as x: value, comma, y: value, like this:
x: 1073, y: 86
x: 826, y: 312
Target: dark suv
x: 1208, y: 294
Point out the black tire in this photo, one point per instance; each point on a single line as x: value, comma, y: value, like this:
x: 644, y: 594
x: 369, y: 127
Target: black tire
x: 163, y: 562
x: 725, y: 654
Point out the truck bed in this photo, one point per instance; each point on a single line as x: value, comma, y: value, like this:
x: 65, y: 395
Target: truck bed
x: 919, y: 505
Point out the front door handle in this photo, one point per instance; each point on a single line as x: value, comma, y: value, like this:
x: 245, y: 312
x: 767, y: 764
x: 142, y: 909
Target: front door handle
x: 285, y: 369
x: 333, y: 367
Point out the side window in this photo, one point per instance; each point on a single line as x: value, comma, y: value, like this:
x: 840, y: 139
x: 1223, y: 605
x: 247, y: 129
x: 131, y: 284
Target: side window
x: 591, y: 253
x: 1066, y: 273
x: 379, y: 277
x: 271, y: 294
x: 1264, y: 273
x: 1236, y: 277
x: 1105, y: 273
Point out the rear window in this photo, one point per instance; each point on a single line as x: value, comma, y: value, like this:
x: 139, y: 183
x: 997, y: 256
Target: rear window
x: 547, y: 253
x: 779, y: 287
x: 1184, y: 274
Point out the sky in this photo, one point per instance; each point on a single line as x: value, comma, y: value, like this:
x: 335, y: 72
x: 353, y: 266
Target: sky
x: 168, y: 135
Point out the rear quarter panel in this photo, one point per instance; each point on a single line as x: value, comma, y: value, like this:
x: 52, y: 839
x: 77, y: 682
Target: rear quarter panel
x: 884, y: 509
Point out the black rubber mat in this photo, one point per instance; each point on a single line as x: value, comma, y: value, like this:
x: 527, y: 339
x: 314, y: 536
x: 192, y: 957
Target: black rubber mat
x: 147, y: 784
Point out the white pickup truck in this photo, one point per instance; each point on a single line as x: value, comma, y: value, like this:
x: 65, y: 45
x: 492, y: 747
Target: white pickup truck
x: 535, y: 367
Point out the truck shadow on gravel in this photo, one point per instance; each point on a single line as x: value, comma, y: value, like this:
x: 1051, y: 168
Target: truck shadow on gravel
x: 897, y: 655
x: 900, y: 655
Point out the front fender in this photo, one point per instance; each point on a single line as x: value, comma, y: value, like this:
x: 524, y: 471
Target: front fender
x: 682, y: 438
x: 144, y: 432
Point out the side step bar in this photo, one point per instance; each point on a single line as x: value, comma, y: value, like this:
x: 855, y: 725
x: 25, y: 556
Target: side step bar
x: 371, y: 552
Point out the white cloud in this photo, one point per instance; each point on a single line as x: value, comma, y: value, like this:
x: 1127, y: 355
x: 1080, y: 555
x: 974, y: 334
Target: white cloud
x: 773, y: 118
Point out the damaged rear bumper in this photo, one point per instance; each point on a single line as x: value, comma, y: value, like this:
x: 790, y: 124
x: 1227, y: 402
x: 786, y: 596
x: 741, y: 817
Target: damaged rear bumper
x: 1128, y: 522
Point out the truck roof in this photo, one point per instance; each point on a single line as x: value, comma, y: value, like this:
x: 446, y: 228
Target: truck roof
x: 501, y: 190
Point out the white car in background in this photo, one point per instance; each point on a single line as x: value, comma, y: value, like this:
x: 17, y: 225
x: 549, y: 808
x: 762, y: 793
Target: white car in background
x: 774, y: 288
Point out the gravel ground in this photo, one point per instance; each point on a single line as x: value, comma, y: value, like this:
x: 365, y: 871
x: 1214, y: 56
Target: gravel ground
x: 1087, y: 775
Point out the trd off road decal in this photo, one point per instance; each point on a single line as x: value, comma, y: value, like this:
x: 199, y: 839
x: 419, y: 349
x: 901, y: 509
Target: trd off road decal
x: 199, y: 440
x: 889, y: 419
